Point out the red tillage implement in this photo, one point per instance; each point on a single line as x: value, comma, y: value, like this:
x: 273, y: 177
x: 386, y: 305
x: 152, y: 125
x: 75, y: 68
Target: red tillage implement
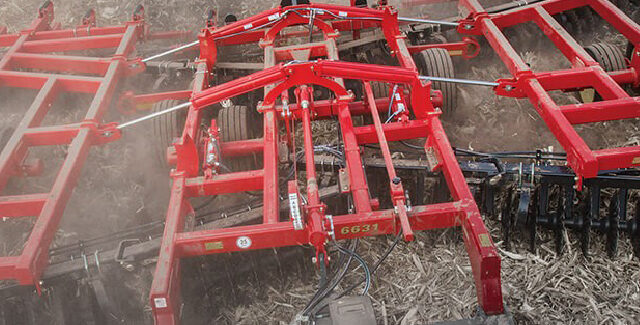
x: 206, y: 149
x: 316, y: 64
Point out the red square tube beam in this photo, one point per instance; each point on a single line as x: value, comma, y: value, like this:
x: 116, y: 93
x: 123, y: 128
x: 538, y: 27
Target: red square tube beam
x: 58, y: 63
x: 395, y: 184
x: 484, y: 257
x: 610, y: 110
x: 22, y: 205
x: 205, y: 242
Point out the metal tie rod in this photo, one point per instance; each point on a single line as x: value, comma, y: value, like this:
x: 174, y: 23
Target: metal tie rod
x: 461, y: 81
x: 427, y: 21
x: 154, y: 115
x: 177, y: 49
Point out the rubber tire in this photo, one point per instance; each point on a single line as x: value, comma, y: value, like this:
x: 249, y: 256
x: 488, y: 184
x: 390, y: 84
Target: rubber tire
x: 165, y: 128
x: 610, y: 59
x: 5, y: 135
x: 437, y: 62
x: 238, y: 123
x: 380, y: 89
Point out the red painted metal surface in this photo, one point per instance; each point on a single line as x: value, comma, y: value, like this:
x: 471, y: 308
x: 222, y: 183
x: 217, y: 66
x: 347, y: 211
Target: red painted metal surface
x: 585, y: 73
x: 320, y: 66
x: 28, y: 50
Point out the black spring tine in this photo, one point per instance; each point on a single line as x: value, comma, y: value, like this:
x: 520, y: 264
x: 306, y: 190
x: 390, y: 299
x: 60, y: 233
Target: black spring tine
x: 255, y: 267
x: 541, y: 213
x: 506, y: 221
x: 419, y: 196
x: 635, y: 229
x: 230, y: 278
x: 276, y: 256
x: 594, y: 214
x: 608, y: 224
x: 524, y: 202
x: 488, y: 198
x: 617, y: 212
x: 558, y: 224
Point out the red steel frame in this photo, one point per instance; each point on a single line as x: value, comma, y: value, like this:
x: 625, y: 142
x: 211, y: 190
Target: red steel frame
x: 368, y: 220
x: 319, y: 65
x: 64, y: 73
x: 585, y: 73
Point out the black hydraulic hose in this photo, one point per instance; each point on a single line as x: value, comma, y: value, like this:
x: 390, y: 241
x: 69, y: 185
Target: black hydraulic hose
x: 377, y: 264
x: 323, y: 292
x: 501, y: 154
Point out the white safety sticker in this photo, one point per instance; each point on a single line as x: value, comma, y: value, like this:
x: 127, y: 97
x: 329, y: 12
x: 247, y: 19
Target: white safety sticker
x: 243, y: 242
x: 274, y: 16
x: 160, y: 302
x: 397, y: 96
x: 295, y: 211
x: 248, y: 26
x: 342, y: 13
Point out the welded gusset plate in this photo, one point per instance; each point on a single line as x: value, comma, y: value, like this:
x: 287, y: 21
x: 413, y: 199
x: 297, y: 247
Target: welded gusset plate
x: 585, y: 72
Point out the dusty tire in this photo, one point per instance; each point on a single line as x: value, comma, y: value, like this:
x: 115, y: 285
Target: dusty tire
x: 239, y: 123
x: 610, y: 59
x: 380, y: 89
x: 166, y: 128
x: 436, y: 62
x: 5, y: 135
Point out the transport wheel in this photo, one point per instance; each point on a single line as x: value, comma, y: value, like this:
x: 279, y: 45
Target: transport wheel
x: 239, y: 123
x: 380, y: 89
x: 610, y: 58
x: 5, y: 135
x: 167, y: 127
x: 436, y: 62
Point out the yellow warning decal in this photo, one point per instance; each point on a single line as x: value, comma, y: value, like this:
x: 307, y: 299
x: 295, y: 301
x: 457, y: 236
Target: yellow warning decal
x: 636, y: 161
x: 484, y: 240
x: 213, y: 245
